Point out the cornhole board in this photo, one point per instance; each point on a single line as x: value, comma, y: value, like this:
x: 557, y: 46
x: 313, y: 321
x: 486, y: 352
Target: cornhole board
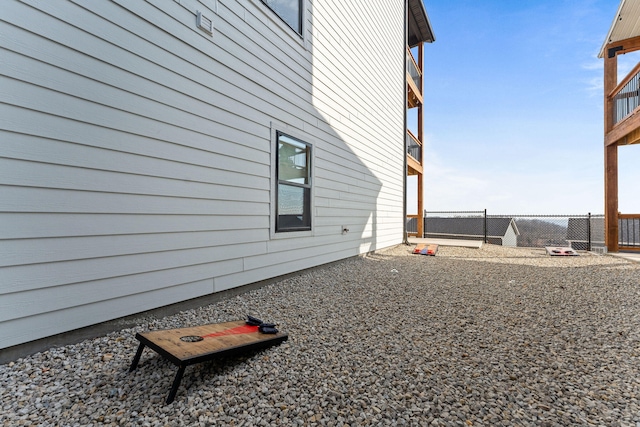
x: 426, y: 249
x: 188, y: 346
x: 560, y: 251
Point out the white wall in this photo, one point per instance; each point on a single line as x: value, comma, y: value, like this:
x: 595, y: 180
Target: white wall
x: 136, y: 150
x: 510, y: 238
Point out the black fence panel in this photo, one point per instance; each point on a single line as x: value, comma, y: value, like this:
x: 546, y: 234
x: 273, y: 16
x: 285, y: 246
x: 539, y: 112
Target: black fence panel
x: 412, y: 225
x: 629, y: 232
x: 580, y: 232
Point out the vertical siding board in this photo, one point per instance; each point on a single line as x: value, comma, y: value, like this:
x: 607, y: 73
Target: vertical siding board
x: 148, y: 178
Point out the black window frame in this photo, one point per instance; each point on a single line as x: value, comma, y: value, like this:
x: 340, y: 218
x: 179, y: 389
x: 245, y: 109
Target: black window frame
x: 284, y: 225
x: 300, y: 16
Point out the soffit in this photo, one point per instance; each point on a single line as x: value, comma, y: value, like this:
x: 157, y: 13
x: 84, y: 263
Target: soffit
x: 420, y: 30
x: 625, y: 25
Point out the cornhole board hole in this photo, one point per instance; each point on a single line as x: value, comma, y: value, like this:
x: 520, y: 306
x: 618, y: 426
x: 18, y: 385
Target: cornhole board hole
x: 425, y: 249
x: 560, y: 251
x: 188, y: 346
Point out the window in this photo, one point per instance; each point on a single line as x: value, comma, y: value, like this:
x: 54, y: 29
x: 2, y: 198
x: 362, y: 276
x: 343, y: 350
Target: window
x: 293, y: 197
x: 290, y: 11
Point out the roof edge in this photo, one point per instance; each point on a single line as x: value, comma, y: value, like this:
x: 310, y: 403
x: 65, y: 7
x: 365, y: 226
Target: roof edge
x: 611, y: 28
x: 422, y: 20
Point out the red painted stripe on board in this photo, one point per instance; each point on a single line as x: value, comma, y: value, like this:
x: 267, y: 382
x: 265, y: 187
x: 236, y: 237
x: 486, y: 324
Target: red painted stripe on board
x: 244, y: 329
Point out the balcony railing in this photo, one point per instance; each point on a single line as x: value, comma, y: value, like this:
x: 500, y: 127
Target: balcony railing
x: 629, y: 231
x: 626, y: 96
x: 413, y: 70
x: 414, y: 147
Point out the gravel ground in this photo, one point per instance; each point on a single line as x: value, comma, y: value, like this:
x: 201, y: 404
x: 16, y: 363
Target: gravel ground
x: 489, y: 337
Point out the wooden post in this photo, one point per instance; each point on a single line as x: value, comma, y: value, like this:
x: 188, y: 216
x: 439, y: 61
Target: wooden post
x: 610, y: 158
x: 611, y: 197
x: 420, y: 205
x: 421, y: 139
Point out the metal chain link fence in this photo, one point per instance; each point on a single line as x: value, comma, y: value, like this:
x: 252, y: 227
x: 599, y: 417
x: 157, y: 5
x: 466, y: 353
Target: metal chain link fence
x: 580, y: 232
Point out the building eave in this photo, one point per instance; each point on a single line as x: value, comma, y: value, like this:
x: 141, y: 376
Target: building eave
x: 625, y: 25
x: 420, y: 30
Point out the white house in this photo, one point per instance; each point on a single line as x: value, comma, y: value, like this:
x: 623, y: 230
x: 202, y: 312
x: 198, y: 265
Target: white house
x: 157, y: 151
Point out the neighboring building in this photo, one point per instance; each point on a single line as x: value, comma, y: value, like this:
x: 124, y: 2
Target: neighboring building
x: 499, y: 231
x: 621, y: 118
x: 158, y: 151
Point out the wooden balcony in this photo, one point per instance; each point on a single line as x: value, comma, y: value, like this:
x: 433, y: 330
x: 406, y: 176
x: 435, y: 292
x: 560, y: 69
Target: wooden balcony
x: 414, y: 80
x: 629, y: 232
x: 414, y: 154
x: 623, y: 104
x: 621, y: 127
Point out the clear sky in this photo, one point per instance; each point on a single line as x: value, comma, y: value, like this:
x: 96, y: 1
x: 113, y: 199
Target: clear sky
x: 514, y: 108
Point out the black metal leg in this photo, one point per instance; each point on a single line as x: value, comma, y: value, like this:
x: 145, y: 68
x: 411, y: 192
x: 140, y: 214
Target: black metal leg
x: 136, y: 359
x: 176, y: 384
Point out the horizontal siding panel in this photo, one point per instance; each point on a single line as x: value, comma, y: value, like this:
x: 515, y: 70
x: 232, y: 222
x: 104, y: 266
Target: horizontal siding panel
x: 17, y: 331
x: 353, y: 205
x: 337, y: 221
x: 119, y: 76
x: 272, y: 259
x: 363, y: 186
x: 275, y: 60
x: 345, y: 66
x: 344, y: 213
x: 233, y: 280
x: 118, y: 43
x: 347, y: 174
x: 32, y: 302
x: 41, y: 276
x: 281, y: 247
x: 38, y: 149
x: 46, y: 225
x: 47, y: 300
x: 28, y: 173
x: 27, y: 199
x: 27, y: 96
x: 260, y: 22
x: 36, y: 251
x: 363, y: 126
x: 177, y: 110
x: 357, y: 228
x: 168, y: 35
x: 345, y: 159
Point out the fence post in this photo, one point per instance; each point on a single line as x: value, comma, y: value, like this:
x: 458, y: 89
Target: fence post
x: 424, y: 223
x: 589, y: 232
x: 485, y: 226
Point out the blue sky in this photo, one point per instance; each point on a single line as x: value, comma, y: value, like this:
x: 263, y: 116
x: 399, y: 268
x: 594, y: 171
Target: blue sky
x: 514, y: 106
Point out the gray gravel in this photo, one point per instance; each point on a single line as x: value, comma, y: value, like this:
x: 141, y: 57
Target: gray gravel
x: 489, y: 337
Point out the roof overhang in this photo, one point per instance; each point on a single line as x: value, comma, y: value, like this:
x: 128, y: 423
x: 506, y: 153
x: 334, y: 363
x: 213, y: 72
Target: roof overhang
x: 420, y: 30
x: 625, y: 25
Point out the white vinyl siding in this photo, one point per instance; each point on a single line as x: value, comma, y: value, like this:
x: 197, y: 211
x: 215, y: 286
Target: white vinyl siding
x: 510, y: 238
x: 136, y: 162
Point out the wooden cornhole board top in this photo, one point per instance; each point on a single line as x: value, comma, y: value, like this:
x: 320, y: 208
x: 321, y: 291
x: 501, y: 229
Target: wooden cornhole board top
x: 426, y: 249
x: 217, y: 338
